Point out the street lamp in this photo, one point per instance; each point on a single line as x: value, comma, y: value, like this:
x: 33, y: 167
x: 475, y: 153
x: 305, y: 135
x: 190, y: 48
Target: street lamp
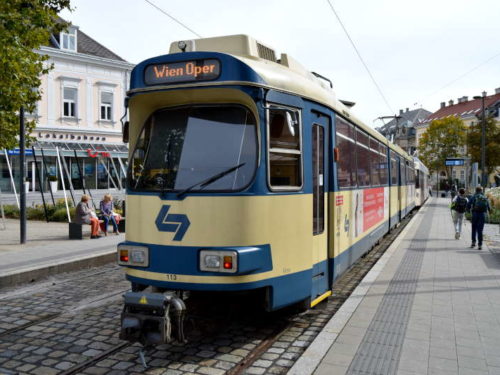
x: 395, y: 117
x: 483, y: 141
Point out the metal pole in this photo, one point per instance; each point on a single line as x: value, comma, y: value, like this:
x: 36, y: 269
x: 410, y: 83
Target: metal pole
x: 22, y: 172
x: 83, y: 181
x: 68, y: 175
x: 2, y: 212
x: 63, y: 185
x: 11, y: 177
x: 483, y: 146
x: 80, y: 172
x: 39, y: 177
x: 117, y: 173
x: 46, y: 174
x: 108, y: 172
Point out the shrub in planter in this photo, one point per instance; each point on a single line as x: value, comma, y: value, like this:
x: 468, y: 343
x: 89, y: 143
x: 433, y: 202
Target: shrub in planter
x: 52, y: 178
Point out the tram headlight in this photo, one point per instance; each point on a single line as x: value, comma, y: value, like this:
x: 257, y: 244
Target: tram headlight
x: 129, y: 255
x: 219, y: 261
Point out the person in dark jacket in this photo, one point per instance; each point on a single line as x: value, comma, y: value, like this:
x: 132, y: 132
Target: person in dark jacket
x: 84, y: 215
x: 479, y: 206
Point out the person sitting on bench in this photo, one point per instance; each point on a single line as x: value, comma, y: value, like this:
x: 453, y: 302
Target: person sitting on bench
x: 107, y: 214
x: 84, y: 215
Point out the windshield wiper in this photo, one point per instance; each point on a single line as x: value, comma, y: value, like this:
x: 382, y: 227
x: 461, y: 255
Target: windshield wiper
x: 210, y: 180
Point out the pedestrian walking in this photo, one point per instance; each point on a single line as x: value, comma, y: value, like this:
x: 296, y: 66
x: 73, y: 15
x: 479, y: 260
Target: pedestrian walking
x: 458, y: 208
x: 479, y: 206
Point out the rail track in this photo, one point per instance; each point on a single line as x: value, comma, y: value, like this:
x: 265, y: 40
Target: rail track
x: 235, y: 337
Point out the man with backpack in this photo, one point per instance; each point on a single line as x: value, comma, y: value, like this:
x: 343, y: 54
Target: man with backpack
x: 479, y: 207
x: 458, y: 207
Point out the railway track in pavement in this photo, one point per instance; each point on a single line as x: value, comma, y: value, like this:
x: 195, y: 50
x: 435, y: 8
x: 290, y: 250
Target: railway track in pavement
x: 71, y: 326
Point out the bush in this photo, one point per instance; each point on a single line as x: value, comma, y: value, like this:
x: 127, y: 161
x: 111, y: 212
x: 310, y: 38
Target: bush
x: 11, y: 211
x: 61, y: 215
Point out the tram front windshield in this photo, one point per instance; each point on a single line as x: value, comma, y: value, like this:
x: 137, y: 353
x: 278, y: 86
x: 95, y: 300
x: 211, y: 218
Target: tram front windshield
x: 211, y: 148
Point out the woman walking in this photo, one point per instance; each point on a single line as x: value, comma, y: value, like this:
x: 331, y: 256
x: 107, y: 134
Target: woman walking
x: 458, y: 208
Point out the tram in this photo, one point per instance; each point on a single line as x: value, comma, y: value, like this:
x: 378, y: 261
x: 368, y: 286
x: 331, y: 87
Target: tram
x: 421, y: 182
x: 246, y: 173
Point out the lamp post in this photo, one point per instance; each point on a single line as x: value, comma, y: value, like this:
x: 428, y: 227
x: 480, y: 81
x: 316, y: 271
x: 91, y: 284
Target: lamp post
x: 395, y: 117
x: 483, y: 141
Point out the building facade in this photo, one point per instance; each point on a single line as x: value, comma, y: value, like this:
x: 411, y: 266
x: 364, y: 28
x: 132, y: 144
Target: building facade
x: 77, y: 118
x: 470, y: 111
x: 401, y: 129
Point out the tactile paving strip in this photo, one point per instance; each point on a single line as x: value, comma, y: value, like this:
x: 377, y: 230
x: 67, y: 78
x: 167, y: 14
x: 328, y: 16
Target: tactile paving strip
x: 379, y: 352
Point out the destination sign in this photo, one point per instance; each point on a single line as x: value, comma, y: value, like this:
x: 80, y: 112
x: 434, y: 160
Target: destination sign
x: 186, y: 71
x: 454, y: 162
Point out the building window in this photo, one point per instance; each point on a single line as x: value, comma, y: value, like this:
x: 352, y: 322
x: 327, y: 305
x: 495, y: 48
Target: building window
x: 68, y: 40
x: 69, y: 102
x: 106, y: 107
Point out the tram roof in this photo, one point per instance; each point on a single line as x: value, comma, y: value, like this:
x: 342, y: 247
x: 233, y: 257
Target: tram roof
x: 282, y: 74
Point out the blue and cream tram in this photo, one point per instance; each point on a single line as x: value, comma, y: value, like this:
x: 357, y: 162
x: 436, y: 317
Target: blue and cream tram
x: 246, y: 173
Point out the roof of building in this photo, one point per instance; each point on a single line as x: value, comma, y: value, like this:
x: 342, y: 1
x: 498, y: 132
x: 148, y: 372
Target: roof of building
x: 464, y: 108
x: 87, y: 46
x: 407, y: 119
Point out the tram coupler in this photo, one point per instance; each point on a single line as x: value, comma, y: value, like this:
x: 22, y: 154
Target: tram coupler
x: 148, y: 318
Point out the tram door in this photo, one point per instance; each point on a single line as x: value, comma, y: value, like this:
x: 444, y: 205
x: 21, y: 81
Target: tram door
x: 400, y: 188
x: 320, y: 207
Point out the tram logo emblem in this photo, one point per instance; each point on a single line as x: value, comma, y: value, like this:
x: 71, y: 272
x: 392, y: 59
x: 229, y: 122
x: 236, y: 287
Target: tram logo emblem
x: 175, y: 223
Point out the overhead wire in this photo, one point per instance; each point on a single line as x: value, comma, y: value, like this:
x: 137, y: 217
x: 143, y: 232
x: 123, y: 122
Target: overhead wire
x: 360, y: 57
x: 173, y: 18
x: 463, y: 75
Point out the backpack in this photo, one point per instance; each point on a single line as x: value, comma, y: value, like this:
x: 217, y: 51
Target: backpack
x: 480, y: 203
x: 460, y: 204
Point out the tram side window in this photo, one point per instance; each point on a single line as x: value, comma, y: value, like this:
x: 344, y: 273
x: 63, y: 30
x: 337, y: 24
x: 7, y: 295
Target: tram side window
x: 394, y: 169
x: 346, y: 145
x: 403, y: 173
x: 375, y: 162
x: 383, y: 171
x: 363, y: 156
x: 285, y: 154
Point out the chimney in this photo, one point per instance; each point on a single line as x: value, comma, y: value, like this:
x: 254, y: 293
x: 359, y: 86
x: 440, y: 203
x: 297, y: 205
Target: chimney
x: 450, y: 102
x: 443, y: 104
x: 407, y: 109
x: 497, y: 90
x: 400, y: 111
x: 465, y: 98
x: 462, y: 99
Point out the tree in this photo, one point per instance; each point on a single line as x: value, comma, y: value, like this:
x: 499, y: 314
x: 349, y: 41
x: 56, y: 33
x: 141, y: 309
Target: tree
x: 492, y: 142
x: 442, y: 139
x: 25, y: 25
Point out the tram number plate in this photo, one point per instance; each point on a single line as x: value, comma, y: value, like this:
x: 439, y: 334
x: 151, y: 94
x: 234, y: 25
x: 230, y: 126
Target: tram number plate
x: 170, y: 277
x: 186, y: 71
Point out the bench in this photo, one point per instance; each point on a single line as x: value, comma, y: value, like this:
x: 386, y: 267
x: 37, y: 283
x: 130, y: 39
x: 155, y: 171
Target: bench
x: 75, y: 231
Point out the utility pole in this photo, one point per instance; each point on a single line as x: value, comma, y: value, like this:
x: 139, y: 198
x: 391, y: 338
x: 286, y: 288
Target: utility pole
x: 484, y: 177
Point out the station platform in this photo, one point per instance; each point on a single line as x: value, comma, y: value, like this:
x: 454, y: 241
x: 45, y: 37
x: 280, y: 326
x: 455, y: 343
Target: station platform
x: 49, y: 251
x: 431, y: 305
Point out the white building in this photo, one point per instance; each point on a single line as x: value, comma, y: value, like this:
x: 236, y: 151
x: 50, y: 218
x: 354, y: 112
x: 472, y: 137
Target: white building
x: 80, y: 110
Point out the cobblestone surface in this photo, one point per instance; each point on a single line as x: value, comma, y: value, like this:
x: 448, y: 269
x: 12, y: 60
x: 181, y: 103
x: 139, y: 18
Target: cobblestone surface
x: 492, y: 237
x: 221, y: 333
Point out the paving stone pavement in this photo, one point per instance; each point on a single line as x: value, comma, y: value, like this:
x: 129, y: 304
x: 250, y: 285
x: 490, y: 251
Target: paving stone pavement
x: 219, y: 340
x: 454, y: 323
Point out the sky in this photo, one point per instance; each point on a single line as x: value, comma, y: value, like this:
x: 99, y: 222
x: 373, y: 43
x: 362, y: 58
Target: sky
x: 420, y: 53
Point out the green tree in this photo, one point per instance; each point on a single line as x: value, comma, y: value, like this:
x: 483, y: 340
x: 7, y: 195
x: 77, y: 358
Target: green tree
x: 492, y: 143
x: 443, y: 139
x: 25, y: 25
